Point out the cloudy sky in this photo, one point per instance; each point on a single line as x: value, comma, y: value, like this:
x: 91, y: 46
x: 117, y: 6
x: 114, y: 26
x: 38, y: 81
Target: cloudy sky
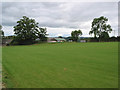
x: 60, y: 18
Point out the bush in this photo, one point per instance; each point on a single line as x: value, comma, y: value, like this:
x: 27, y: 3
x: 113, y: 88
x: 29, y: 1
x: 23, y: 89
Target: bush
x: 94, y: 40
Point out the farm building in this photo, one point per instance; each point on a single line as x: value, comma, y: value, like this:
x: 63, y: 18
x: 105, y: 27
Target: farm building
x: 56, y: 39
x: 69, y: 39
x: 82, y: 40
x: 60, y: 39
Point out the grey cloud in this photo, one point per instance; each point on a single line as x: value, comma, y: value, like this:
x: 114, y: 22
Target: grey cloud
x: 59, y: 14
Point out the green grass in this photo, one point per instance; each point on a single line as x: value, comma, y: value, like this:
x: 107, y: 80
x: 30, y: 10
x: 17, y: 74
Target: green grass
x: 62, y: 65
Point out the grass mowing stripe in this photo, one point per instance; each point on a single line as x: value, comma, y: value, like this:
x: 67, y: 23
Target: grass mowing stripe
x: 62, y: 65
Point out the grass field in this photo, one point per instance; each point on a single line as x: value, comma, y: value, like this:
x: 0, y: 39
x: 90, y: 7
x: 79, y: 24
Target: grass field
x: 62, y: 65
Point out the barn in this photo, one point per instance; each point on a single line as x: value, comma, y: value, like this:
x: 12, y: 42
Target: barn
x: 56, y: 39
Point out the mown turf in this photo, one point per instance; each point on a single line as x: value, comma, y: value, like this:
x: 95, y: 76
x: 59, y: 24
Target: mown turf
x: 63, y: 65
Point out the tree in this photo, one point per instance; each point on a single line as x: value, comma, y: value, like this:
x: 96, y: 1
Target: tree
x: 60, y: 37
x: 27, y: 31
x: 100, y: 28
x: 1, y: 31
x: 42, y: 34
x: 118, y: 38
x: 75, y: 35
x: 104, y: 36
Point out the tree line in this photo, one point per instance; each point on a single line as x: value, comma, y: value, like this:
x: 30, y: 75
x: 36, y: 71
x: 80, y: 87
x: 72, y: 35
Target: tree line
x: 27, y: 31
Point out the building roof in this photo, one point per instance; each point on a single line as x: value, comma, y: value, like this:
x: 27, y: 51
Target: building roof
x: 60, y: 39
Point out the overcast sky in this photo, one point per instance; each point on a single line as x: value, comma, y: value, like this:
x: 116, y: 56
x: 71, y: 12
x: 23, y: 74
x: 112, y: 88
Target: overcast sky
x: 60, y: 18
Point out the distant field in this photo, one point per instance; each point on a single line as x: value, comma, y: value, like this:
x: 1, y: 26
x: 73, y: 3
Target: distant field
x: 62, y: 65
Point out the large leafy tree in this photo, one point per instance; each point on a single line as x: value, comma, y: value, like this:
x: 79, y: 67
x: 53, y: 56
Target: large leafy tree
x: 75, y: 34
x: 100, y: 28
x: 27, y: 31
